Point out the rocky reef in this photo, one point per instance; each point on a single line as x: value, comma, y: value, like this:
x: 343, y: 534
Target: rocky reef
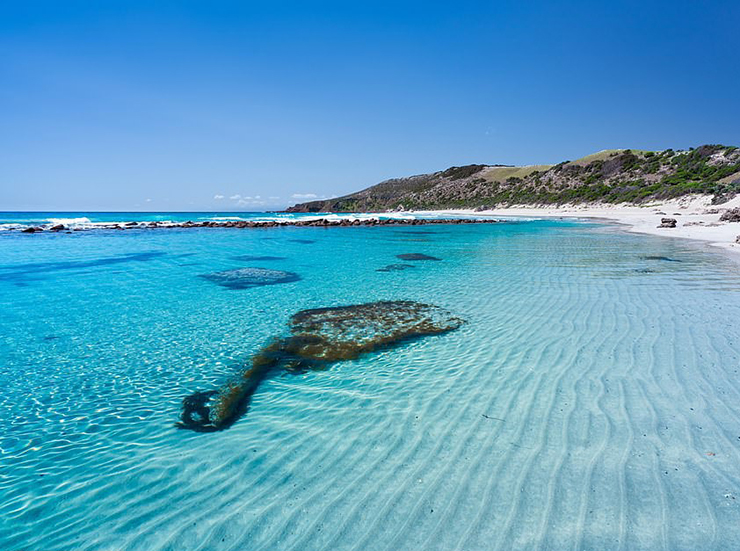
x: 416, y: 256
x: 247, y: 224
x: 317, y: 338
x: 395, y: 268
x: 246, y: 278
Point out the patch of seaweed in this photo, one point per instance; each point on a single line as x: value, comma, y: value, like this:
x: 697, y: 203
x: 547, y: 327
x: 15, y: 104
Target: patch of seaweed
x: 318, y: 338
x: 416, y: 256
x: 395, y: 268
x: 246, y: 278
x: 303, y: 241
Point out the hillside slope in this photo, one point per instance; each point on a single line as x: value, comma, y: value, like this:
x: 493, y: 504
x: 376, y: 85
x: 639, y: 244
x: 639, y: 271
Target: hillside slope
x: 613, y: 176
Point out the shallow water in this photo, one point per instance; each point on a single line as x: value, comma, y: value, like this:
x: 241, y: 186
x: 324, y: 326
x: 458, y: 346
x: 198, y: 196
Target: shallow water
x: 591, y: 401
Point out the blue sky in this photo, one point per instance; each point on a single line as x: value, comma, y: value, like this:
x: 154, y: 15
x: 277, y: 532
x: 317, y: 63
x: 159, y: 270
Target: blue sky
x: 194, y: 105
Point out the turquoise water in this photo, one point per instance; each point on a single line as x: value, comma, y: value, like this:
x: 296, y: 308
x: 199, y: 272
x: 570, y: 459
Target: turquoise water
x: 591, y: 401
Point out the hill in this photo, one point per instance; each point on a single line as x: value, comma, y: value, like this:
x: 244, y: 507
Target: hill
x: 611, y: 176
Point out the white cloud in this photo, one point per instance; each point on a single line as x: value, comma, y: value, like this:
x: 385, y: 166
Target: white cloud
x: 218, y: 197
x: 304, y: 196
x: 249, y: 203
x: 234, y: 197
x: 148, y: 200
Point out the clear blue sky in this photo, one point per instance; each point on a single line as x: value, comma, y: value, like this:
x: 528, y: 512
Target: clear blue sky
x: 167, y: 105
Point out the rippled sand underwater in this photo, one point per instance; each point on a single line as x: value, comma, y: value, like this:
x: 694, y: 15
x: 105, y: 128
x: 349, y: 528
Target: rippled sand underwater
x: 591, y: 399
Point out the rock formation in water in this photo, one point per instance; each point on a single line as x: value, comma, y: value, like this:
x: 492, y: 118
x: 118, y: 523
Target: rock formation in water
x: 395, y: 268
x: 661, y: 258
x: 317, y: 339
x: 246, y: 278
x: 416, y: 256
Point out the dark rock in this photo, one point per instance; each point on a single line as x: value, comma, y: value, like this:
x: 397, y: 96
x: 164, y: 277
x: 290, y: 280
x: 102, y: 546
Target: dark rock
x: 731, y: 215
x: 246, y: 278
x: 58, y: 227
x: 319, y: 223
x: 668, y: 223
x: 317, y: 339
x: 416, y: 256
x: 395, y: 268
x: 32, y: 230
x: 661, y: 258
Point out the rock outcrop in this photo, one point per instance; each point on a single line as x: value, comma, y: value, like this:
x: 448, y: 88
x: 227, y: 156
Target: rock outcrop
x: 246, y: 278
x: 730, y: 215
x: 317, y: 338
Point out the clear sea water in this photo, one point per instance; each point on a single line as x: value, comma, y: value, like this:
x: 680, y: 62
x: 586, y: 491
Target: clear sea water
x: 592, y: 401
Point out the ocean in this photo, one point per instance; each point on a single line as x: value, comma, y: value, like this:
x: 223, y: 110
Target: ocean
x: 590, y: 399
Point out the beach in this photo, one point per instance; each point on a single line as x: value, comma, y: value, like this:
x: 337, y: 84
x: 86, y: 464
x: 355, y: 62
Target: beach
x: 696, y: 218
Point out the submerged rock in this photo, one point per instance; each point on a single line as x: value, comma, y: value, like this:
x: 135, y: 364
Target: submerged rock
x: 246, y: 278
x: 317, y: 338
x: 416, y: 256
x: 662, y: 258
x: 395, y: 268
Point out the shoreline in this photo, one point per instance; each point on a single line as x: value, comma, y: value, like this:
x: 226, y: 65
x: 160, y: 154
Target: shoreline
x: 696, y: 218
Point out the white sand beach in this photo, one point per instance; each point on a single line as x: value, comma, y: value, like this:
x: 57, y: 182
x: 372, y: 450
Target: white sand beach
x: 696, y: 218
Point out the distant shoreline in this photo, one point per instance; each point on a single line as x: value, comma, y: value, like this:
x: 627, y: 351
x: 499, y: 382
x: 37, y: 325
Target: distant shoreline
x: 695, y: 219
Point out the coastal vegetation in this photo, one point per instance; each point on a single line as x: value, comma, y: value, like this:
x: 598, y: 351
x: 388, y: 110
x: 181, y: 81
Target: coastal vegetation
x: 612, y: 176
